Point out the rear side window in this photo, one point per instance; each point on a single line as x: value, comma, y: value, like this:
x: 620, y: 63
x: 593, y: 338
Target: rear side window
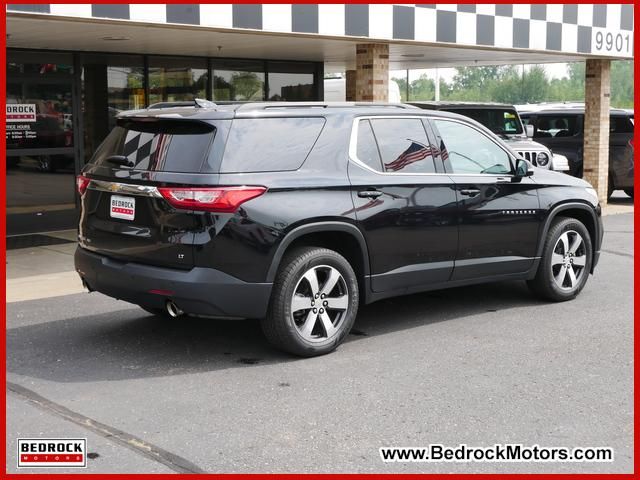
x: 557, y: 126
x: 367, y: 149
x: 403, y: 144
x: 168, y: 146
x: 269, y: 144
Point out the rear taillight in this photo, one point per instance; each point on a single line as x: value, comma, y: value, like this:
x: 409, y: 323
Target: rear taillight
x: 214, y: 199
x: 82, y: 183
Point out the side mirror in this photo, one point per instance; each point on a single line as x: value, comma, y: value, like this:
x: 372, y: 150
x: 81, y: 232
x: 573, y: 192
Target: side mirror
x: 522, y: 169
x: 529, y: 129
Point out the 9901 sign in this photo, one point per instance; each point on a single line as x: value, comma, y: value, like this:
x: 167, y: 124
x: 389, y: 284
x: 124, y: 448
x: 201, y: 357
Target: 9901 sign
x: 612, y: 42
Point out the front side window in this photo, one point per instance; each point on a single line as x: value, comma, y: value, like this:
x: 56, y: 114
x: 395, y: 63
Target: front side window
x: 502, y: 121
x: 403, y: 144
x: 466, y: 150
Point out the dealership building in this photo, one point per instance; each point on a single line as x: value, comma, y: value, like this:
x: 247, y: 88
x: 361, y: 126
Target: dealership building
x: 71, y: 68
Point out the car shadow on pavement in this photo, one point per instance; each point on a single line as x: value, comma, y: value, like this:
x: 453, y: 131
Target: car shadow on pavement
x: 130, y: 343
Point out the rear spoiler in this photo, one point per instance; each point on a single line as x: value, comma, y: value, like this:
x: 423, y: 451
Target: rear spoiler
x: 197, y: 102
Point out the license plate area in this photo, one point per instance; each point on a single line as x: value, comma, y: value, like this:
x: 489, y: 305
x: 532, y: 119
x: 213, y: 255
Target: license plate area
x: 122, y: 207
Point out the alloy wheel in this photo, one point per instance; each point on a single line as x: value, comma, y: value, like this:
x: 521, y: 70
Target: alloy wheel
x: 320, y: 303
x: 568, y: 260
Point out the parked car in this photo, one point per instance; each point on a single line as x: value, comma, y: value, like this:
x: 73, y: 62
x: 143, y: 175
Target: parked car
x: 296, y: 214
x: 503, y: 120
x: 561, y: 129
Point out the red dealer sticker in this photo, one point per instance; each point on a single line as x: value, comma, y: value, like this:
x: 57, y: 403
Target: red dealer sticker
x: 52, y: 452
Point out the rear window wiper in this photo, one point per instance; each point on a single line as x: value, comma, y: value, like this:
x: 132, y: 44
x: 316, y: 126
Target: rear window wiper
x: 120, y: 160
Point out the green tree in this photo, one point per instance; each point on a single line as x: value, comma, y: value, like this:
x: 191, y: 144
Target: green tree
x: 622, y: 84
x: 422, y: 88
x: 468, y: 78
x: 509, y: 84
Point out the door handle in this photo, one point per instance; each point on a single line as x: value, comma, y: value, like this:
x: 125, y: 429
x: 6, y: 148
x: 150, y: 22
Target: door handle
x: 369, y: 193
x: 469, y: 192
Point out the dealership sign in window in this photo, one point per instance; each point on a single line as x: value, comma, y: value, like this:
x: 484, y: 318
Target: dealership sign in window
x: 21, y: 112
x: 19, y: 116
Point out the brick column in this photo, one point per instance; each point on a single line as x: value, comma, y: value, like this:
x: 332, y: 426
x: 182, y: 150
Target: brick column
x: 350, y: 86
x: 596, y: 125
x: 372, y: 72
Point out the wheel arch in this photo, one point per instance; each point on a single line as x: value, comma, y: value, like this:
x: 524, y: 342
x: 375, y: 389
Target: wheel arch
x: 580, y: 211
x: 319, y: 234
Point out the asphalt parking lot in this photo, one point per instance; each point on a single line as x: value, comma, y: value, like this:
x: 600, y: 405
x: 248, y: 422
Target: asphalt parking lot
x: 475, y: 365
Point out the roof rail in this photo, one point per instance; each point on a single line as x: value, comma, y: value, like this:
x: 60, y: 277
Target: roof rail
x: 197, y: 102
x: 287, y: 105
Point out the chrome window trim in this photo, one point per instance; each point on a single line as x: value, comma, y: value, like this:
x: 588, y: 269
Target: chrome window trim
x: 353, y: 147
x: 124, y: 188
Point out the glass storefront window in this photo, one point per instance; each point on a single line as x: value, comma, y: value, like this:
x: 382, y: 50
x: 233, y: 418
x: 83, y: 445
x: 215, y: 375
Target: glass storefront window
x: 177, y: 79
x: 238, y: 81
x: 40, y: 134
x: 31, y: 63
x: 110, y: 84
x: 39, y: 115
x: 291, y: 82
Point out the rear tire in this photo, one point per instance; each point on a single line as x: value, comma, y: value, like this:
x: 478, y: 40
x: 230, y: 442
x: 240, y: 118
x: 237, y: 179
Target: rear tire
x: 566, y: 261
x: 313, y: 304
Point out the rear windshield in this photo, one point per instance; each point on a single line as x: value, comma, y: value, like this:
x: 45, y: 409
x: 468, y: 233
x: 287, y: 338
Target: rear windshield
x: 498, y: 120
x: 159, y: 145
x: 269, y: 144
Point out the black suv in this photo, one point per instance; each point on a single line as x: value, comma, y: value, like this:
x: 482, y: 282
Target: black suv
x: 562, y: 130
x: 298, y: 213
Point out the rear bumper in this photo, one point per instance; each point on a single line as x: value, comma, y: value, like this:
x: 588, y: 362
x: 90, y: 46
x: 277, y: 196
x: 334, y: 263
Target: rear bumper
x: 199, y: 291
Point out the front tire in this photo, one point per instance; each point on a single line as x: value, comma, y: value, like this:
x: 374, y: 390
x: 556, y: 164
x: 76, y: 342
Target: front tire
x: 314, y: 302
x: 566, y: 261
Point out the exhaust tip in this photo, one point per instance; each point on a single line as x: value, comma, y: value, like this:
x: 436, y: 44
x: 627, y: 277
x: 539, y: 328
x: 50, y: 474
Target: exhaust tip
x: 173, y: 310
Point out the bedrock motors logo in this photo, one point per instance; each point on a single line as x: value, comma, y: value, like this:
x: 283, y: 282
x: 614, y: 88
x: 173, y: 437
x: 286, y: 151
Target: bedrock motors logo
x: 52, y: 452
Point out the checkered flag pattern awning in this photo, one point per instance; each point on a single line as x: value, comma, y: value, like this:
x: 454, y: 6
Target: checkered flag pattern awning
x: 586, y: 29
